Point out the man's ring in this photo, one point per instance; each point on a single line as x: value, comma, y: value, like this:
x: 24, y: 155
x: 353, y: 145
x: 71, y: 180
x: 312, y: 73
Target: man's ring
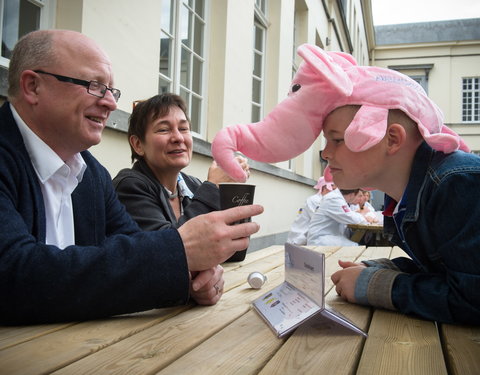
x: 217, y: 289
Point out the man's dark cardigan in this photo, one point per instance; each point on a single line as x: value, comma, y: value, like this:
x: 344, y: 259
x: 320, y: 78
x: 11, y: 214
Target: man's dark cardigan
x: 113, y: 268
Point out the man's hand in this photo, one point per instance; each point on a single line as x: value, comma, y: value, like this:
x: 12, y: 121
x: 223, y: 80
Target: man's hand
x: 207, y: 286
x: 346, y: 279
x: 210, y: 240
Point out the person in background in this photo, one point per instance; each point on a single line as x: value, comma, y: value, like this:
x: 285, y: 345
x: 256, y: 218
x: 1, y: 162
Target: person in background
x: 299, y: 229
x: 329, y: 221
x: 355, y: 205
x: 155, y: 191
x: 364, y: 206
x: 367, y: 210
x: 69, y: 250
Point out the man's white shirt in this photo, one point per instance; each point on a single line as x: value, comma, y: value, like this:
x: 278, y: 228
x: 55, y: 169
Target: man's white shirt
x: 58, y: 179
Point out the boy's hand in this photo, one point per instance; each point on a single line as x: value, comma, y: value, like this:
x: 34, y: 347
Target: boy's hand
x: 346, y: 264
x: 346, y: 279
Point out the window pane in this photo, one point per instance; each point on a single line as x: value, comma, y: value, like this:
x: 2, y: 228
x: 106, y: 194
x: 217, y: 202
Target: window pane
x: 29, y: 18
x: 256, y: 90
x: 257, y: 64
x: 182, y: 54
x: 185, y: 26
x: 195, y: 113
x: 166, y: 16
x: 163, y: 86
x: 261, y: 5
x: 186, y: 97
x: 165, y: 53
x: 19, y: 18
x: 255, y: 113
x: 258, y: 32
x: 185, y: 68
x: 197, y: 76
x: 199, y: 7
x: 198, y: 37
x: 470, y: 100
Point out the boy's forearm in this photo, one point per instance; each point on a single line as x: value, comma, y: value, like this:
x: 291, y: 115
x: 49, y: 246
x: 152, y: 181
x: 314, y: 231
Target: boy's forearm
x: 374, y: 287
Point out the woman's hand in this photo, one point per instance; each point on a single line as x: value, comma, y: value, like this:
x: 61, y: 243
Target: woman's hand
x: 207, y: 286
x: 216, y: 174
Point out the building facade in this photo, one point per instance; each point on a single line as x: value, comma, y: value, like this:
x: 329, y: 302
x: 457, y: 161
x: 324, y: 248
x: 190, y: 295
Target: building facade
x: 231, y: 60
x: 444, y: 57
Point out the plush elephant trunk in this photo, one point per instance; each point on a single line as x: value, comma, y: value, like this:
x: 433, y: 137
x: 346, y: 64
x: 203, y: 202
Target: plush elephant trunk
x: 264, y: 141
x: 295, y: 123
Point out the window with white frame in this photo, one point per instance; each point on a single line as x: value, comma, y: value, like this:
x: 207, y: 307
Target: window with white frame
x: 470, y: 99
x: 294, y: 45
x: 19, y: 17
x: 258, y: 77
x: 182, y: 54
x: 291, y: 162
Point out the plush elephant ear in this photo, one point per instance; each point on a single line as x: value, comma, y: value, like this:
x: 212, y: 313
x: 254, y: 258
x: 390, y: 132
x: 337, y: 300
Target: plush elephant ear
x: 343, y: 59
x: 331, y: 66
x: 446, y: 141
x: 367, y: 128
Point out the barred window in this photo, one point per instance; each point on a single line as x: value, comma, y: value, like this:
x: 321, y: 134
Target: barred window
x: 19, y: 17
x: 470, y: 99
x: 182, y: 54
x: 258, y: 78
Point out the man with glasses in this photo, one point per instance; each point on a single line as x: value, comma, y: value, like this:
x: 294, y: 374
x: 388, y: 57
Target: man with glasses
x: 68, y: 249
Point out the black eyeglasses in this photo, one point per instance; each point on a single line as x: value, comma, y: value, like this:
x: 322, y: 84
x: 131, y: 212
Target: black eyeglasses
x: 94, y: 88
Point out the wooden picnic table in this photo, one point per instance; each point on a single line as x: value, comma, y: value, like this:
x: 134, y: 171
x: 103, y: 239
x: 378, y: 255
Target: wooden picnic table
x: 360, y: 230
x: 230, y: 338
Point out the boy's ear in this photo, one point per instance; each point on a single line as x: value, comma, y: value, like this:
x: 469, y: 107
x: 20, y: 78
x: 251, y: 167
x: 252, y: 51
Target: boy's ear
x: 396, y: 137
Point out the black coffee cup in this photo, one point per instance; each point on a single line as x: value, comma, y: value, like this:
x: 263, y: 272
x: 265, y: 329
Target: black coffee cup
x: 233, y: 195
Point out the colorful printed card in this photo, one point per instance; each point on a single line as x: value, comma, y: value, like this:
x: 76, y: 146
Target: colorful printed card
x: 301, y: 295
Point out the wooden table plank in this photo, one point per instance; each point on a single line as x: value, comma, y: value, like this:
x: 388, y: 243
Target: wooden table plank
x: 461, y: 348
x: 50, y: 352
x: 11, y: 336
x: 254, y: 257
x: 162, y: 344
x: 243, y: 347
x: 398, y: 252
x: 399, y: 344
x: 320, y: 346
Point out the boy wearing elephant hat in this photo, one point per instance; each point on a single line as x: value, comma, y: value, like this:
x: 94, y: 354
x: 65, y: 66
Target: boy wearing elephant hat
x: 383, y: 132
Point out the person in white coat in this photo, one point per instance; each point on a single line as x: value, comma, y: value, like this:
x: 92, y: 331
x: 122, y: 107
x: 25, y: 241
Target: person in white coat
x: 328, y: 223
x: 367, y: 210
x: 299, y: 228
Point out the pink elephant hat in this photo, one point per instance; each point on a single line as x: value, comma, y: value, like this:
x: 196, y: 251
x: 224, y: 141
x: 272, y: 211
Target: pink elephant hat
x: 324, y: 82
x: 321, y: 183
